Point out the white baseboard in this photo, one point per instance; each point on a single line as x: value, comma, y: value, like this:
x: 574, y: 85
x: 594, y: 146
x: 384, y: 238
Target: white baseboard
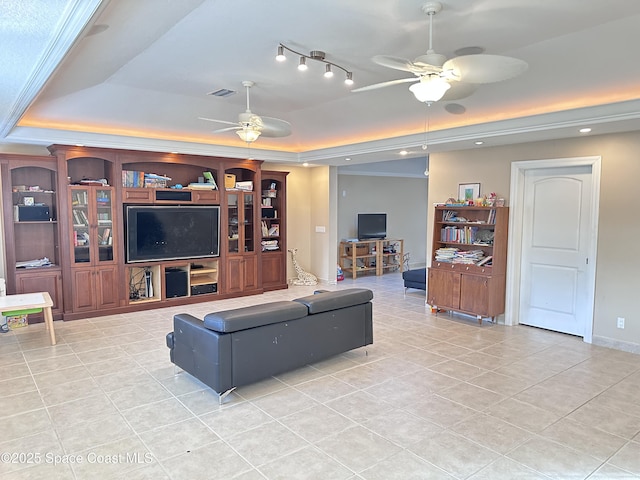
x: 617, y: 344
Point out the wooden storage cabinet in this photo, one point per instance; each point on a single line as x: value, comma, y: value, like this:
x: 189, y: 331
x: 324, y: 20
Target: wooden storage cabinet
x: 42, y: 280
x: 94, y: 288
x: 371, y: 256
x: 83, y: 237
x: 273, y: 230
x: 31, y: 228
x: 476, y: 288
x: 242, y: 273
x: 242, y: 238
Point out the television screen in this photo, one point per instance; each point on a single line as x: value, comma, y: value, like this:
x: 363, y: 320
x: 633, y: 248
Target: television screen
x: 171, y: 232
x: 372, y: 226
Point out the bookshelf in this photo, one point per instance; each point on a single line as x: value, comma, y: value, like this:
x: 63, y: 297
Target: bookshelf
x: 371, y: 256
x: 468, y: 260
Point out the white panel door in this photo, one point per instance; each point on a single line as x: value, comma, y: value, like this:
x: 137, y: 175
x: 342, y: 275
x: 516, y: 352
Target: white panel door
x: 556, y: 223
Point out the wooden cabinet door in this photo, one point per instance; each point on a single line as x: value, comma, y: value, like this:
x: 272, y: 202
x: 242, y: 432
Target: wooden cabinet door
x: 474, y: 294
x: 83, y: 287
x: 273, y: 265
x: 106, y: 287
x: 250, y: 272
x: 242, y: 273
x: 42, y: 281
x: 444, y: 288
x: 234, y: 276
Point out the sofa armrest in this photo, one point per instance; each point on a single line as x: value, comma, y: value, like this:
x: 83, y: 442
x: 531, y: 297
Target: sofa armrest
x: 203, y: 353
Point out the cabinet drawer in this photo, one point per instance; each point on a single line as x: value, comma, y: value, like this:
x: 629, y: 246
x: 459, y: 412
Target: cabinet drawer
x: 205, y: 196
x: 139, y: 195
x: 462, y: 268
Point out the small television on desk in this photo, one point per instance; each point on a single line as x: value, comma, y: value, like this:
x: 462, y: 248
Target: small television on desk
x: 372, y: 226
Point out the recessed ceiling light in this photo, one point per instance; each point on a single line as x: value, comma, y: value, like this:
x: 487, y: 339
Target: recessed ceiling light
x: 305, y: 164
x: 348, y: 159
x: 585, y: 130
x: 403, y: 152
x: 479, y: 142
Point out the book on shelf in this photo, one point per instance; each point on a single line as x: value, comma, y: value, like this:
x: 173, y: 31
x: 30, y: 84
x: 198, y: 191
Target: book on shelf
x: 274, y: 231
x: 485, y: 261
x: 209, y: 177
x: 492, y: 217
x: 106, y: 235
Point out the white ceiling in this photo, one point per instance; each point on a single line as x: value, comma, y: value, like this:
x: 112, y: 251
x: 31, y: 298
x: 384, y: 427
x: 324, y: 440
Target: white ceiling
x: 136, y: 74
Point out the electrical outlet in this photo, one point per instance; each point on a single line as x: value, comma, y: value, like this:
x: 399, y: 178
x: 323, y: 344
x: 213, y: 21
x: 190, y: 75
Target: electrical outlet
x: 620, y: 322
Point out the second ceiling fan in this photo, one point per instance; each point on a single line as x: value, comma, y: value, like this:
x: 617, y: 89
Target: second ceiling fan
x: 456, y: 78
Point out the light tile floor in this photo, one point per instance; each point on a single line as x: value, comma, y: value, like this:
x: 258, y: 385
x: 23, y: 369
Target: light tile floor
x: 437, y: 397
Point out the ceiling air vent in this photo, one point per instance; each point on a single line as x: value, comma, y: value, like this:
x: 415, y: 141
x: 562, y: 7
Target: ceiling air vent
x: 222, y: 92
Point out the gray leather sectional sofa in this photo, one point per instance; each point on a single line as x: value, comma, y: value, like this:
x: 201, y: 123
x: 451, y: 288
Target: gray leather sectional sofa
x: 237, y: 347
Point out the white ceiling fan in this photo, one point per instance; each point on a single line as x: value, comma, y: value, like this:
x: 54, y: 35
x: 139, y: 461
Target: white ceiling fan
x: 250, y: 126
x: 452, y: 79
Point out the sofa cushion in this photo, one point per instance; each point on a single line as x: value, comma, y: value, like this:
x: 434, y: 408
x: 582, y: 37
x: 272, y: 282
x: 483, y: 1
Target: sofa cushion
x: 325, y: 301
x: 254, y: 316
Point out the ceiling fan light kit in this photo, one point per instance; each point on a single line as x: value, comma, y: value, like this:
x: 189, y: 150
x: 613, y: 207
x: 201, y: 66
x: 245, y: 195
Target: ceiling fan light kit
x: 450, y: 79
x: 430, y: 88
x: 318, y: 56
x: 248, y: 134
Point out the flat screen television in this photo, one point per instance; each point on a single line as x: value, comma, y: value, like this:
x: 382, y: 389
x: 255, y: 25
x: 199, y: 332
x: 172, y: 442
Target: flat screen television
x: 372, y: 226
x: 155, y: 232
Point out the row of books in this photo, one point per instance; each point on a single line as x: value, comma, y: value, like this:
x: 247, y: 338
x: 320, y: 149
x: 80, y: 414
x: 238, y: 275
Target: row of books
x: 132, y: 178
x: 80, y: 217
x: 82, y: 238
x: 270, y: 231
x: 79, y: 197
x: 461, y: 235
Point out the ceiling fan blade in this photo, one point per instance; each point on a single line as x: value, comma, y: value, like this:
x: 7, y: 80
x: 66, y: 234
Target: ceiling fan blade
x: 385, y: 84
x: 274, y: 127
x: 397, y: 63
x: 228, y: 129
x: 217, y: 121
x: 459, y: 90
x: 484, y: 68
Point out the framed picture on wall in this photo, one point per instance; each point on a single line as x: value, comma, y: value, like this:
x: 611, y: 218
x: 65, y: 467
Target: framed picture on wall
x: 468, y: 191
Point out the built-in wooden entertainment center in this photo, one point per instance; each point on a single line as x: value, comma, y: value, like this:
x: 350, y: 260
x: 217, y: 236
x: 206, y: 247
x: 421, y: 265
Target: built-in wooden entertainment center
x: 69, y: 208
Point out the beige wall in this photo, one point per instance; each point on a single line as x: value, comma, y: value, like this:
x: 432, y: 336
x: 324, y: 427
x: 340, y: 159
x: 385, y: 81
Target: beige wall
x: 402, y: 199
x: 617, y: 265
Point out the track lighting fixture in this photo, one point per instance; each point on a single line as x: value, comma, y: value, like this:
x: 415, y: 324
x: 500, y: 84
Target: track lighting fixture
x: 318, y: 56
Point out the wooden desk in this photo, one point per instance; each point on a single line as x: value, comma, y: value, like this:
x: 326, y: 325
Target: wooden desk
x: 24, y: 301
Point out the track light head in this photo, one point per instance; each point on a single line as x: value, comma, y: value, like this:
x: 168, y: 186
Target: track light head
x: 280, y: 56
x: 302, y: 66
x: 349, y: 79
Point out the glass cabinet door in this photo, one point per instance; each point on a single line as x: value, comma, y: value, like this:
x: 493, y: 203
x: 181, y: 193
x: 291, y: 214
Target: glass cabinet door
x: 234, y: 222
x: 92, y: 224
x: 248, y: 222
x: 104, y: 228
x: 81, y: 225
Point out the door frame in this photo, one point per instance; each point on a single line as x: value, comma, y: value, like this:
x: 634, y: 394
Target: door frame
x: 516, y: 214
